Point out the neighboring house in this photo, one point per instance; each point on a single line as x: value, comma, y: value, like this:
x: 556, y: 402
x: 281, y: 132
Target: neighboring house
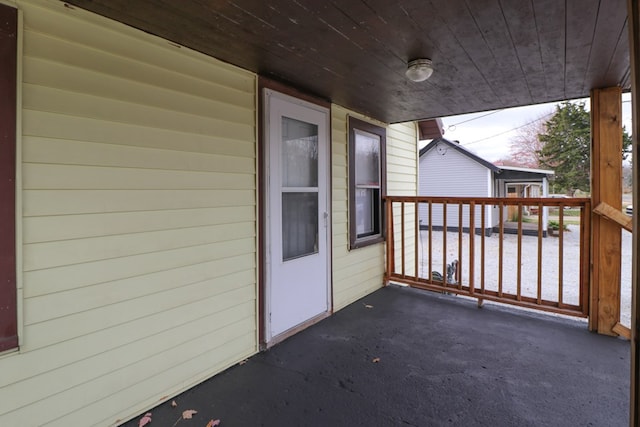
x: 448, y: 169
x: 140, y: 214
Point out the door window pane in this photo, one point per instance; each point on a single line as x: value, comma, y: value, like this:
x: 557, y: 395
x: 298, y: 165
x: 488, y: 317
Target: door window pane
x: 299, y: 224
x: 299, y: 153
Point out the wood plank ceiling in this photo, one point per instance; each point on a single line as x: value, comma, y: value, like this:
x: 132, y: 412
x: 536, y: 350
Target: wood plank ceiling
x: 487, y: 54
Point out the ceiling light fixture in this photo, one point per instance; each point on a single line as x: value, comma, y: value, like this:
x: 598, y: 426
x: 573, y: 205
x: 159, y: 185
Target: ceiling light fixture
x: 419, y: 70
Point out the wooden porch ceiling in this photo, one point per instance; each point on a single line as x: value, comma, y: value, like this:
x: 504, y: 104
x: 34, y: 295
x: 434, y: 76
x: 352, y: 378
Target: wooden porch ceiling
x: 487, y: 54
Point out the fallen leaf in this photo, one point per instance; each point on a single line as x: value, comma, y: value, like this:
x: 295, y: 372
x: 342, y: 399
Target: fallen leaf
x: 376, y: 360
x: 242, y: 362
x: 368, y: 306
x: 145, y: 420
x: 188, y: 414
x: 173, y: 404
x: 213, y: 423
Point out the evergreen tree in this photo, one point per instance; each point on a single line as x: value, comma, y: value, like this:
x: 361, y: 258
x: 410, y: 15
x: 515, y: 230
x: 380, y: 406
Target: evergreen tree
x: 566, y: 149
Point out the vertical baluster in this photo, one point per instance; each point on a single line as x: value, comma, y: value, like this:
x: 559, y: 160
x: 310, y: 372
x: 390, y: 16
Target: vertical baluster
x: 519, y: 261
x: 540, y: 253
x: 402, y: 239
x: 458, y: 276
x: 444, y: 243
x: 430, y: 240
x: 391, y: 255
x: 560, y: 255
x: 416, y: 237
x: 472, y: 232
x: 483, y: 227
x: 500, y: 246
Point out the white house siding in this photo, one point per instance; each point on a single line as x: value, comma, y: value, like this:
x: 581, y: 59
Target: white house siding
x: 139, y: 235
x: 359, y: 272
x: 453, y: 174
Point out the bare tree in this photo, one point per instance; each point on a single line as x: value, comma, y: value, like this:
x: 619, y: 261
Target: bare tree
x: 627, y: 177
x: 526, y: 145
x: 506, y: 162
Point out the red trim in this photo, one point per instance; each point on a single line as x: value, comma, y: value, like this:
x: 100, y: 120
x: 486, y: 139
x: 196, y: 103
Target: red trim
x: 8, y: 94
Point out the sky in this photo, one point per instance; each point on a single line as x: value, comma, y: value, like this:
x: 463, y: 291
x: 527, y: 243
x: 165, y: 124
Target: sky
x: 489, y: 134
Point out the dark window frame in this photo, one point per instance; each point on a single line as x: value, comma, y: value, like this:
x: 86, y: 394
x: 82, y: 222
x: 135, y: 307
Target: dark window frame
x: 379, y: 211
x: 8, y: 124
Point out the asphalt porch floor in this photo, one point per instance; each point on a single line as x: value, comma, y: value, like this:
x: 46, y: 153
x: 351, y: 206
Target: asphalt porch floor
x: 404, y: 357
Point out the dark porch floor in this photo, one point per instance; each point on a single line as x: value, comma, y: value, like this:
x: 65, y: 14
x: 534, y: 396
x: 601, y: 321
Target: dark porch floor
x: 442, y: 362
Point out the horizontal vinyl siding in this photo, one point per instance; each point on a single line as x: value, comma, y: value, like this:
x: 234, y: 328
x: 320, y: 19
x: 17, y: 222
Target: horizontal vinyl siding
x: 139, y: 227
x: 402, y: 180
x: 402, y: 160
x: 452, y: 175
x: 359, y: 272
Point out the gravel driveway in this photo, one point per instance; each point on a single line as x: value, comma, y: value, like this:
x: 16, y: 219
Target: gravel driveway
x: 529, y: 264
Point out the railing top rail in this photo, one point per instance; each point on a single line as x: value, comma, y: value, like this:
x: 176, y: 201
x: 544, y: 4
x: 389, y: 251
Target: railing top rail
x: 548, y: 201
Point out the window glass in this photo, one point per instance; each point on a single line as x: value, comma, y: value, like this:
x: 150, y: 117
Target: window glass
x: 299, y: 224
x: 367, y: 158
x: 366, y: 183
x: 299, y: 188
x: 364, y: 211
x: 299, y: 153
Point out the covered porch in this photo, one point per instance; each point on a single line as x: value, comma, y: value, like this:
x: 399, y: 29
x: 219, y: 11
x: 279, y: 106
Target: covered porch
x: 486, y: 55
x: 143, y: 224
x: 401, y: 356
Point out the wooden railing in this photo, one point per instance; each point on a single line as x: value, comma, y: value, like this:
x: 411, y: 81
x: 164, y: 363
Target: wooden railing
x: 494, y: 249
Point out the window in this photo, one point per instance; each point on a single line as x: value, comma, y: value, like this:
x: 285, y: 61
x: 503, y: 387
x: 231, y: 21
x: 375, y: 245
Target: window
x: 366, y: 183
x: 8, y: 66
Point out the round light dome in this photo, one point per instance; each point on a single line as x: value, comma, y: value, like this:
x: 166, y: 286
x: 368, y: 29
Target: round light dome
x: 419, y: 70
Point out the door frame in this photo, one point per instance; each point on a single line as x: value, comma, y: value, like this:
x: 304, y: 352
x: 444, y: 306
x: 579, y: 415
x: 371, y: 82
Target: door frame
x: 263, y: 205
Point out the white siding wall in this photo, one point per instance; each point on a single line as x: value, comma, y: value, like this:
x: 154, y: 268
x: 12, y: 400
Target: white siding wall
x: 138, y: 221
x: 359, y: 272
x: 452, y: 174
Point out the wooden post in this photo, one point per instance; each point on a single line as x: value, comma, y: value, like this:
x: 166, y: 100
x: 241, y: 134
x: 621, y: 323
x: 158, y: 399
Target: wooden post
x: 390, y: 268
x: 633, y: 12
x: 606, y: 186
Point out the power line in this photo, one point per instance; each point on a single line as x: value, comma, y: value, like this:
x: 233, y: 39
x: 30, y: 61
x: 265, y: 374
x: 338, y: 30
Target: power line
x: 472, y: 119
x: 510, y: 130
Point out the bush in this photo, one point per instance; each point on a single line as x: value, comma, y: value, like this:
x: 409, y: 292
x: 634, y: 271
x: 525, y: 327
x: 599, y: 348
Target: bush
x: 555, y: 225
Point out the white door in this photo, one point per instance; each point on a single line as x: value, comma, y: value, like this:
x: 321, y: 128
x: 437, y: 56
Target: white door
x: 298, y: 225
